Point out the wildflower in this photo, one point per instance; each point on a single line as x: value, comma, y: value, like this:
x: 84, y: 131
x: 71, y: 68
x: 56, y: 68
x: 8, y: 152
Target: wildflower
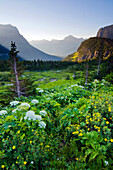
x: 93, y: 97
x: 41, y: 144
x: 34, y: 101
x: 42, y: 124
x: 3, y: 112
x: 111, y: 140
x: 25, y: 162
x: 38, y: 88
x: 32, y: 162
x: 30, y: 115
x: 18, y: 157
x: 76, y: 159
x: 16, y: 162
x: 38, y: 117
x: 107, y: 163
x: 3, y: 166
x: 41, y: 91
x: 109, y: 109
x: 30, y: 141
x: 47, y: 146
x: 13, y: 147
x: 92, y: 103
x: 25, y: 104
x: 14, y: 111
x: 18, y: 131
x: 14, y: 103
x: 43, y: 112
x: 80, y: 134
x: 95, y: 107
x: 107, y: 122
x: 105, y: 139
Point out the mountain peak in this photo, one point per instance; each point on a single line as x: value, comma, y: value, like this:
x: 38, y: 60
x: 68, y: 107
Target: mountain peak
x: 106, y: 32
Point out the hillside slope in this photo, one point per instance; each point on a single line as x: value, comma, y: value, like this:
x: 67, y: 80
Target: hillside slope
x: 91, y: 49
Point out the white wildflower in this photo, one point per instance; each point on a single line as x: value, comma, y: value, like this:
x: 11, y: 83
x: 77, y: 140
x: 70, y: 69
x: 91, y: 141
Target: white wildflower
x: 41, y: 91
x: 25, y: 104
x: 96, y: 81
x: 38, y: 117
x: 43, y: 112
x: 31, y: 115
x: 81, y: 86
x: 42, y: 124
x: 38, y: 88
x: 14, y: 103
x: 34, y: 101
x: 107, y: 163
x: 3, y: 112
x: 14, y: 111
x: 32, y: 162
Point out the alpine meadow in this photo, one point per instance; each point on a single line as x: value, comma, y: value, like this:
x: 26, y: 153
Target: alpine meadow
x: 56, y: 105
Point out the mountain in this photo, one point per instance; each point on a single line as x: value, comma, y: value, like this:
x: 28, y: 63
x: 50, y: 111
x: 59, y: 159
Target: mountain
x: 91, y: 49
x: 58, y: 47
x: 106, y: 32
x: 3, y: 53
x: 10, y: 33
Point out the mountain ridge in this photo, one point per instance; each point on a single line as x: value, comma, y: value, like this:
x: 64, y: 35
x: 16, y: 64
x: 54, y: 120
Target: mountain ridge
x: 10, y: 33
x: 61, y: 47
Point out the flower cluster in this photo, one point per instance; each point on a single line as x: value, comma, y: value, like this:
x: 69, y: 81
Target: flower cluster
x: 14, y: 103
x: 43, y: 112
x: 34, y: 101
x: 3, y: 112
x: 31, y: 115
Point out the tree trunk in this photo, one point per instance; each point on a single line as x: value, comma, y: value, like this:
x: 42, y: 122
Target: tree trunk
x: 98, y: 65
x: 17, y: 80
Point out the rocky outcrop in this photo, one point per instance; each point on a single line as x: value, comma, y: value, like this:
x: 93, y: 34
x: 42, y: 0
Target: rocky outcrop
x: 106, y: 32
x: 92, y: 49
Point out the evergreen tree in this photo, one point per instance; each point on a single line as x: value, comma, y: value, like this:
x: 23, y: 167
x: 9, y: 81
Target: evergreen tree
x: 16, y: 70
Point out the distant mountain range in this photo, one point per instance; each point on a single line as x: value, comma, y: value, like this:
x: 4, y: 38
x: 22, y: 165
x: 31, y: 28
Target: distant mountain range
x: 10, y: 33
x: 58, y: 47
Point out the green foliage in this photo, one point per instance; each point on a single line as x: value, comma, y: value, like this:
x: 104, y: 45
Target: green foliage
x: 78, y: 132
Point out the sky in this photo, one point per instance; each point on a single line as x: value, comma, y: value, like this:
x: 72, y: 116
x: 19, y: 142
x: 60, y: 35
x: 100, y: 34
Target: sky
x: 56, y: 19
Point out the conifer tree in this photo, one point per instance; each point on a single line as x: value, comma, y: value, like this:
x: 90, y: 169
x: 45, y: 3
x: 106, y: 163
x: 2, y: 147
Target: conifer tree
x: 16, y: 70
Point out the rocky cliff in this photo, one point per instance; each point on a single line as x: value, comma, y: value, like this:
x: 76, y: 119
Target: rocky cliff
x: 106, y: 32
x: 91, y: 49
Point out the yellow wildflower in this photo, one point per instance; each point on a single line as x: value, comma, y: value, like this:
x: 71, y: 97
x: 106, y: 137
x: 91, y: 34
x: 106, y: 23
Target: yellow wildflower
x: 41, y: 144
x: 111, y: 140
x: 25, y: 162
x: 30, y: 141
x: 18, y: 131
x: 80, y: 134
x: 3, y: 166
x: 105, y: 139
x: 13, y: 147
x: 76, y: 159
x: 107, y: 122
x: 109, y: 109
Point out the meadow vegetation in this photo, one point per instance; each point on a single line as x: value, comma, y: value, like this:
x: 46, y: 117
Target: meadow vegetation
x: 61, y: 123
